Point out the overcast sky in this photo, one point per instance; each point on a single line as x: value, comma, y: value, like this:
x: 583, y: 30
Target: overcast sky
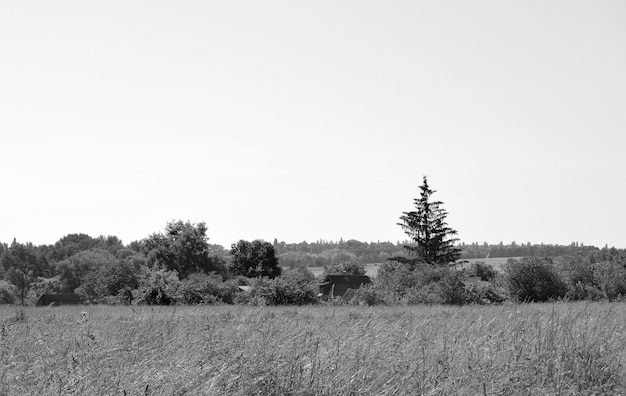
x: 313, y: 120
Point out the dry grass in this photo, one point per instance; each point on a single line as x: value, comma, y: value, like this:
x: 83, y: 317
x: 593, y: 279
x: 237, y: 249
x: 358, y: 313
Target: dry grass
x: 547, y: 349
x: 496, y: 262
x: 371, y: 270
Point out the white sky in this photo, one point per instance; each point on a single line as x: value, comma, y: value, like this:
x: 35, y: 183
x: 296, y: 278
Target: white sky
x: 313, y: 120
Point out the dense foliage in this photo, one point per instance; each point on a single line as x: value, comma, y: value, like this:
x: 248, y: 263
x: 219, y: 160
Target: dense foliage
x: 182, y: 248
x: 179, y: 266
x: 254, y: 259
x: 533, y: 279
x: 404, y: 283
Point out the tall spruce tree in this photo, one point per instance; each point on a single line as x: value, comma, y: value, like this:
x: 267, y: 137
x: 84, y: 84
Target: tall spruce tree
x: 427, y: 227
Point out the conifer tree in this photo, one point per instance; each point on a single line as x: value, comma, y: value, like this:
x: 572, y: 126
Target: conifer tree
x: 427, y: 228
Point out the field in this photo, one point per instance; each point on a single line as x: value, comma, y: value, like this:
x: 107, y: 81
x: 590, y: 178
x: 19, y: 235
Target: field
x: 495, y: 262
x: 538, y: 349
x: 372, y: 269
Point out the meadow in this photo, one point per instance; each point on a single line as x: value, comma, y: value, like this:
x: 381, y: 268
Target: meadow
x: 539, y: 349
x: 495, y: 262
x: 371, y: 270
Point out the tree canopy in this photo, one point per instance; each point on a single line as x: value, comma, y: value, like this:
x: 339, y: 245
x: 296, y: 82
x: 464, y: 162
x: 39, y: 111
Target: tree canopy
x: 254, y: 259
x: 183, y: 248
x: 22, y: 264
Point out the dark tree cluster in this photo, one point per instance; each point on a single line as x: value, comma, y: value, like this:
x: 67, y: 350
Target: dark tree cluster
x: 254, y: 259
x: 183, y: 248
x: 174, y: 266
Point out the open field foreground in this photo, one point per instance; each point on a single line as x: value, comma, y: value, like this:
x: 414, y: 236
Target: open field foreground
x: 539, y: 349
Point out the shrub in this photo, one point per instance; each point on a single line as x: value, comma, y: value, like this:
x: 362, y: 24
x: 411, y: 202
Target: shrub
x: 42, y: 286
x: 533, y: 279
x: 292, y: 288
x: 485, y: 271
x: 7, y: 292
x: 427, y: 294
x: 451, y: 288
x: 369, y: 295
x: 422, y: 283
x: 438, y: 285
x: 397, y: 278
x: 109, y: 282
x: 579, y: 275
x: 428, y: 284
x: 123, y: 297
x: 193, y: 291
x: 201, y: 288
x: 584, y: 291
x: 158, y: 286
x: 611, y: 279
x: 484, y: 293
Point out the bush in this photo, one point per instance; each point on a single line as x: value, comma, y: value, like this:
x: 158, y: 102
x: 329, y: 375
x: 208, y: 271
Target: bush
x: 158, y: 286
x: 451, y: 288
x: 396, y: 278
x: 484, y: 293
x: 292, y: 288
x: 427, y: 294
x: 7, y: 292
x: 485, y: 271
x: 610, y: 278
x: 533, y: 279
x: 584, y: 291
x: 369, y: 295
x: 123, y: 297
x: 42, y: 286
x: 201, y: 288
x: 428, y: 284
x: 110, y: 282
x: 579, y: 275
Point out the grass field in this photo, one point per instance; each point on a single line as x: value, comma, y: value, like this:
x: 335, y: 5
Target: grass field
x: 538, y: 349
x: 495, y: 262
x: 372, y: 269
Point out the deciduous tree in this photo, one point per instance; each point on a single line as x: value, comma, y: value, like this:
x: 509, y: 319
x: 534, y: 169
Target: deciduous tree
x: 71, y: 244
x: 183, y: 248
x: 254, y: 259
x: 75, y: 270
x: 22, y: 264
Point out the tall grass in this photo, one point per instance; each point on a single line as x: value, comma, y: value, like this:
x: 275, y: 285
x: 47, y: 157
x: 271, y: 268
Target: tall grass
x: 539, y: 349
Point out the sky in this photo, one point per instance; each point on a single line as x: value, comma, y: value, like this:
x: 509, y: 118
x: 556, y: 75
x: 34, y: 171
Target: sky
x: 308, y: 120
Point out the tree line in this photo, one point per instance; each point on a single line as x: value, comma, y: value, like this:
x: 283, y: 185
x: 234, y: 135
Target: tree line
x: 324, y: 253
x: 157, y: 269
x: 179, y: 265
x: 475, y: 251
